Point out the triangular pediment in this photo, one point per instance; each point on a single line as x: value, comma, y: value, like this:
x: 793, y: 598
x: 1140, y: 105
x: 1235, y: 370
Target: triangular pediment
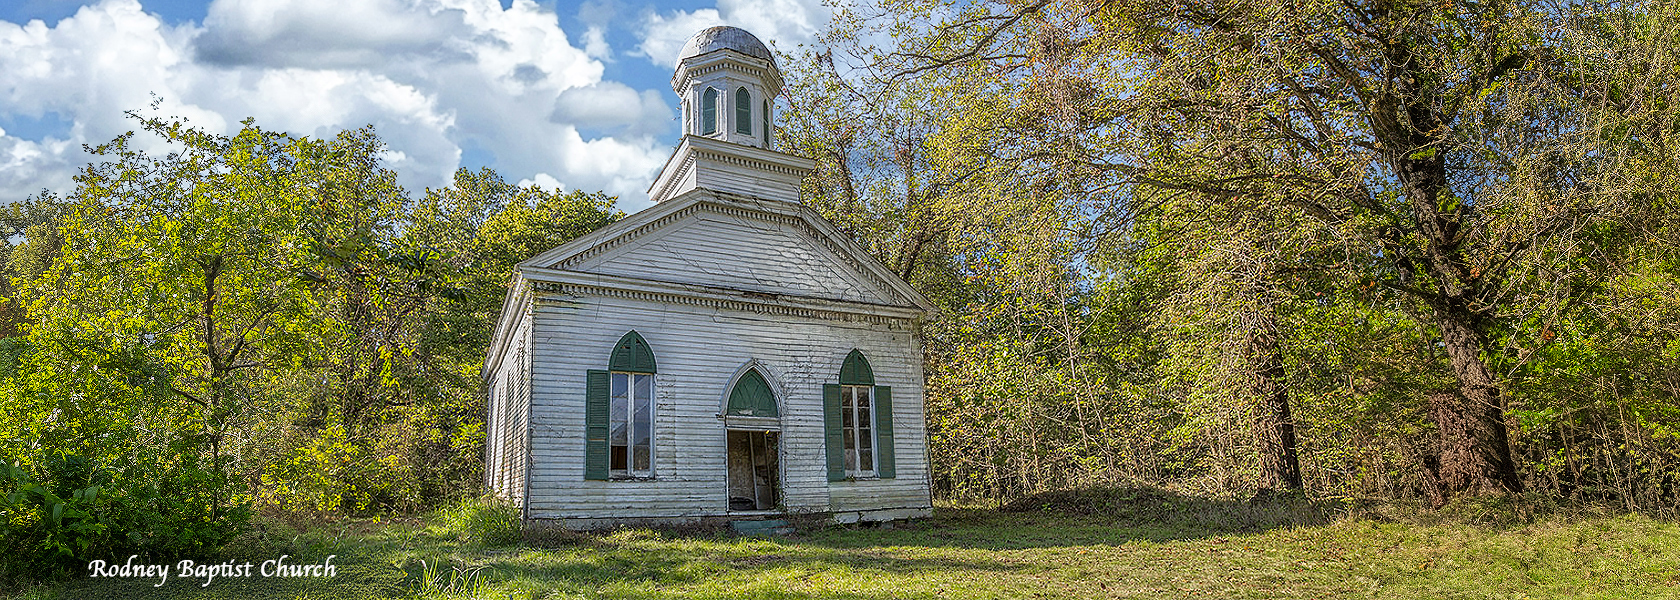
x: 726, y: 242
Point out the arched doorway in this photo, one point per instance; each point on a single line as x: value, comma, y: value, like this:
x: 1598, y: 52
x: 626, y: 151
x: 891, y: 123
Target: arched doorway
x: 752, y: 429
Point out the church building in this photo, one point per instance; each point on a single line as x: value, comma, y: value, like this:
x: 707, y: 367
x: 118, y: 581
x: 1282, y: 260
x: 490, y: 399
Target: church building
x: 725, y: 354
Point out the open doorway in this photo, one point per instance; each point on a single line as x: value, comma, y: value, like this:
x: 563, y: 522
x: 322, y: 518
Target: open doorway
x: 753, y: 470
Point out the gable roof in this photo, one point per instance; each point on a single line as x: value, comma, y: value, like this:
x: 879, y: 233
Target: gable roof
x: 649, y: 223
x: 550, y: 266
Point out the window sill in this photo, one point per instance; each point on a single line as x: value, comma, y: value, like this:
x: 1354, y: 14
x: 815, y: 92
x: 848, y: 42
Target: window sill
x: 631, y: 478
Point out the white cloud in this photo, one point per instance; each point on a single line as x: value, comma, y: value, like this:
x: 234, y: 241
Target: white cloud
x: 29, y: 167
x: 595, y: 43
x: 430, y: 75
x: 543, y: 180
x: 327, y: 33
x: 610, y: 106
x: 663, y: 36
x: 781, y: 23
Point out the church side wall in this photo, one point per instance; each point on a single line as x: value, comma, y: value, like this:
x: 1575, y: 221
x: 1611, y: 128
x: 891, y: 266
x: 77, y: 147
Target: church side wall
x: 698, y: 350
x: 506, y: 428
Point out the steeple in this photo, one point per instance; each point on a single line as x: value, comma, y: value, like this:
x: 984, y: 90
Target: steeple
x: 728, y: 83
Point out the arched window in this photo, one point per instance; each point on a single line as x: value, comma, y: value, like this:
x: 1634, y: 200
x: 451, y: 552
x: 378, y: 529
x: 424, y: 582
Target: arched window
x: 743, y: 111
x: 709, y: 112
x: 857, y: 415
x: 764, y: 116
x: 752, y: 396
x: 618, y: 413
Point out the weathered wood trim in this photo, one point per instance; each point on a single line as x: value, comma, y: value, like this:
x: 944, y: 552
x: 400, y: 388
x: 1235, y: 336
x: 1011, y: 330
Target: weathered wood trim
x: 776, y: 389
x: 528, y: 360
x: 772, y: 211
x: 550, y: 281
x: 632, y: 224
x: 518, y: 296
x: 719, y: 59
x: 677, y: 169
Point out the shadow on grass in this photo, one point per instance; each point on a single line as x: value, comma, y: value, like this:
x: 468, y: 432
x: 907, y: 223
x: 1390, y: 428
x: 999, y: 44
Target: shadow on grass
x: 955, y: 542
x: 385, y: 562
x: 1107, y: 516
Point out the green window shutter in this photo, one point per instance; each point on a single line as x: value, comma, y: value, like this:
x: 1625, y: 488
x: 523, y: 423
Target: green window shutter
x: 743, y: 112
x: 835, y: 438
x: 595, y: 424
x: 708, y: 111
x: 752, y: 396
x: 883, y: 432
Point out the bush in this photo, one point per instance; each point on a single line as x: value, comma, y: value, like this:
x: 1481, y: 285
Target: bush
x: 64, y: 510
x: 486, y: 521
x: 331, y: 472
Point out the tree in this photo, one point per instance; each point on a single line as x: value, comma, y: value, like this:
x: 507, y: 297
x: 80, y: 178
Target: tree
x: 1438, y: 140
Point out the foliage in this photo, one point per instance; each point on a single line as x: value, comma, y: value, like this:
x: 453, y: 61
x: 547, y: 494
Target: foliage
x: 252, y: 318
x: 486, y: 521
x: 1412, y: 236
x: 75, y: 510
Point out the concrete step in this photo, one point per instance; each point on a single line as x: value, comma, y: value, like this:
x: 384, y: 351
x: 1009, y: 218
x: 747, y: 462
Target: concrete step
x: 761, y: 527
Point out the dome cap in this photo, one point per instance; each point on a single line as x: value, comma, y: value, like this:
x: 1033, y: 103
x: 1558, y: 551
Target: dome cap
x: 724, y: 37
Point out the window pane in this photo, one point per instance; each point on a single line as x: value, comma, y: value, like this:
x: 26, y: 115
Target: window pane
x: 620, y: 410
x: 620, y: 458
x: 642, y: 449
x: 848, y: 428
x: 846, y: 409
x: 866, y: 454
x: 851, y: 452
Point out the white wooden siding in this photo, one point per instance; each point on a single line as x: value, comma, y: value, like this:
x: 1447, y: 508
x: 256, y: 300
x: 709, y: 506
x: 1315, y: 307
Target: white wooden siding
x: 701, y: 162
x: 506, y: 424
x: 738, y: 252
x: 698, y: 350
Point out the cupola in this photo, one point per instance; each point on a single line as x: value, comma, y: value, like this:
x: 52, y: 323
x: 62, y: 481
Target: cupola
x: 728, y: 82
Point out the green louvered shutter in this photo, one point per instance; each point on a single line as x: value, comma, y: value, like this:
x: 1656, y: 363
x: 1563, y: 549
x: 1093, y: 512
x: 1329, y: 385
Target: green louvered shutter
x: 709, y: 111
x: 595, y: 411
x: 834, y: 436
x: 883, y: 432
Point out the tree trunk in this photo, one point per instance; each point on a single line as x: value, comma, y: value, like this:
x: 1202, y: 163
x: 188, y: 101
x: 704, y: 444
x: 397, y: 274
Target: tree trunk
x: 1274, y: 428
x: 1475, y: 454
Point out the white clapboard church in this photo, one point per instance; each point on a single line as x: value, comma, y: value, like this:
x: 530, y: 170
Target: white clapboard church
x: 726, y: 354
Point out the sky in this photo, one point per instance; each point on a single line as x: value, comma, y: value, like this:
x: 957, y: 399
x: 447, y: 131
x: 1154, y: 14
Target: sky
x: 567, y: 94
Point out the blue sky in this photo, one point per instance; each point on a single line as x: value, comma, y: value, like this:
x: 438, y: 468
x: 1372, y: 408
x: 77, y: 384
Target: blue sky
x: 572, y: 94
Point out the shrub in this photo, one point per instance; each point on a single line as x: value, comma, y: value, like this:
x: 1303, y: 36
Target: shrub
x: 64, y: 510
x: 486, y: 521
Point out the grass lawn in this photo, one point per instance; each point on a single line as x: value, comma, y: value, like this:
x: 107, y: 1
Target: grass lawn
x: 1150, y: 547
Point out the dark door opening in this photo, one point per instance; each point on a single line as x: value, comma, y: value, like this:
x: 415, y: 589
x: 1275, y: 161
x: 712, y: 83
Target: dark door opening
x: 753, y: 470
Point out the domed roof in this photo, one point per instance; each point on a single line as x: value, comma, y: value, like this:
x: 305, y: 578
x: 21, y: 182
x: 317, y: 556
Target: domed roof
x: 722, y: 37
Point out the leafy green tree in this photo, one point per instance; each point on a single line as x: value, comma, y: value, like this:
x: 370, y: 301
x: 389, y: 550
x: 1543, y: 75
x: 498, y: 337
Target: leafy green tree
x: 1439, y: 141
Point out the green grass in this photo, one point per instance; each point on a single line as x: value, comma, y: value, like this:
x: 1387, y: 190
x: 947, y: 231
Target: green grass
x: 1109, y: 545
